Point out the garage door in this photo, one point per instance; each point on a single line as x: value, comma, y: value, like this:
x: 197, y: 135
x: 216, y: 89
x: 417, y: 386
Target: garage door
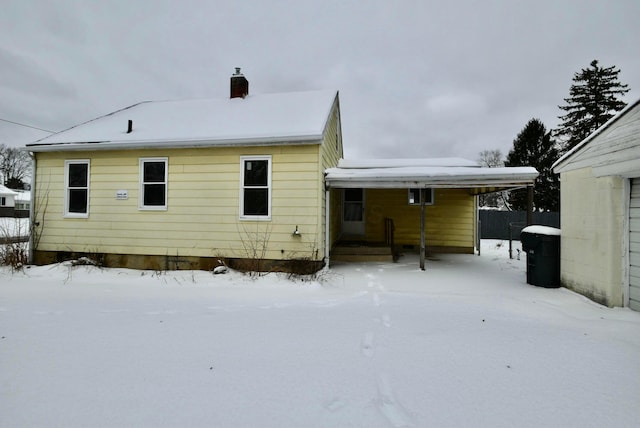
x: 634, y: 245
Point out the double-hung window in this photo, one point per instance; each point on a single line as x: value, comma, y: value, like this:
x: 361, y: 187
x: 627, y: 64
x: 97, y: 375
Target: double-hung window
x: 414, y: 197
x: 76, y: 179
x: 255, y: 191
x: 153, y: 184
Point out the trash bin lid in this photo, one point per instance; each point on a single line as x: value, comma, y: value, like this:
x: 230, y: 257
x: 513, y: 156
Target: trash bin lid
x: 542, y: 230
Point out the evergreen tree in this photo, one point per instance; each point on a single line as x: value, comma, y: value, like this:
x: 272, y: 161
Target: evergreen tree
x: 534, y: 147
x: 593, y: 99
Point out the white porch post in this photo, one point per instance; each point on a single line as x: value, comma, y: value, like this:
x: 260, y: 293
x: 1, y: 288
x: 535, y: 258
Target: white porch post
x: 327, y: 228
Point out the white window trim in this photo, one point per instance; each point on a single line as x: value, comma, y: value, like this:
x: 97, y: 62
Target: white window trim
x: 141, y: 205
x: 68, y: 214
x: 433, y: 197
x: 268, y: 158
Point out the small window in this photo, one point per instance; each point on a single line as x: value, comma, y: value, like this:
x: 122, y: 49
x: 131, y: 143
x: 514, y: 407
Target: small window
x: 255, y: 198
x: 3, y: 201
x: 76, y: 188
x: 414, y: 197
x: 153, y: 184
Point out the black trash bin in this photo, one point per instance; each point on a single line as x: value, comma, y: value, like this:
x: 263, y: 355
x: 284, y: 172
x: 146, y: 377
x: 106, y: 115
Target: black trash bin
x: 542, y: 245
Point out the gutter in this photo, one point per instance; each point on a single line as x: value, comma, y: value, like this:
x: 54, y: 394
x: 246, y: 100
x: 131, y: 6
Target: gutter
x: 437, y: 184
x: 172, y: 144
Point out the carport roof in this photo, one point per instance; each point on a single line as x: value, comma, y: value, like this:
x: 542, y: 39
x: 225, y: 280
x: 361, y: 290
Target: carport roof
x: 432, y: 173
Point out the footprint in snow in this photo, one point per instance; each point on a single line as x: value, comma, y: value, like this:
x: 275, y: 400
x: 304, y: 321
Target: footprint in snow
x: 376, y: 299
x: 48, y: 312
x: 386, y: 320
x: 367, y: 344
x: 334, y: 404
x: 389, y: 407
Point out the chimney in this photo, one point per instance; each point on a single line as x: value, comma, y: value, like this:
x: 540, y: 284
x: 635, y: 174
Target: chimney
x: 239, y: 85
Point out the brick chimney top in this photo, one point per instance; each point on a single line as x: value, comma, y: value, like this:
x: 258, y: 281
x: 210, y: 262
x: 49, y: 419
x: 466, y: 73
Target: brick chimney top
x: 239, y: 85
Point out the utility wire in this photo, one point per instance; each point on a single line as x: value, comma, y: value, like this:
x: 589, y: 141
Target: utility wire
x: 27, y: 126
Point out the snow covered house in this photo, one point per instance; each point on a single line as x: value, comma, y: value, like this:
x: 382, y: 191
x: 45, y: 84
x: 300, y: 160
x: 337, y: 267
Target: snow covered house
x: 600, y: 212
x: 22, y: 203
x: 7, y: 201
x: 182, y: 184
x: 252, y: 179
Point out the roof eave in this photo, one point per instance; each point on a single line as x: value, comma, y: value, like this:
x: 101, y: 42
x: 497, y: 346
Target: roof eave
x: 173, y: 144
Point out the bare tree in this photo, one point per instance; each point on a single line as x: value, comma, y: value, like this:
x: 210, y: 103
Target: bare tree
x: 15, y: 166
x: 492, y: 159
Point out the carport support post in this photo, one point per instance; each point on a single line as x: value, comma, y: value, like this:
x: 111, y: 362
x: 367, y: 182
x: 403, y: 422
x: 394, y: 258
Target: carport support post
x: 529, y: 205
x: 423, y: 195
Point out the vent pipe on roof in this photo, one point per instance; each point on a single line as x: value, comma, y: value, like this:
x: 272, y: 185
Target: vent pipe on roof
x: 130, y: 126
x: 239, y: 85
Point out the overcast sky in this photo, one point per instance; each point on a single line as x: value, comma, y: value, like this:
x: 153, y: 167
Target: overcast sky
x: 416, y: 78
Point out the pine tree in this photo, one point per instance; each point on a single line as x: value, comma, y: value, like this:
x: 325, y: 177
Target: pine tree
x: 534, y: 147
x: 593, y: 99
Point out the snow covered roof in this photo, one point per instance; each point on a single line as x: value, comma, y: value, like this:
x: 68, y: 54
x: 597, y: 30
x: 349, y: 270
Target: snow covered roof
x: 396, y: 163
x: 436, y: 172
x: 5, y: 191
x: 265, y: 119
x: 24, y: 195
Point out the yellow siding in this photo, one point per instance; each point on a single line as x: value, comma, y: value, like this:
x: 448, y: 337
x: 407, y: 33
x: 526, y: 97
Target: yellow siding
x: 331, y: 153
x: 449, y: 222
x: 202, y: 218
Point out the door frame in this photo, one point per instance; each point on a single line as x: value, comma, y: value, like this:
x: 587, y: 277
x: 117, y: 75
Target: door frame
x: 353, y: 228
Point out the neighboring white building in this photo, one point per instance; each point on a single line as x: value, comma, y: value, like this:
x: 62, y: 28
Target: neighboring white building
x: 7, y: 201
x: 22, y: 200
x: 600, y: 212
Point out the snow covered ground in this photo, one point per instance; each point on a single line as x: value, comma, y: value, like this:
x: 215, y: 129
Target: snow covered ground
x: 465, y: 343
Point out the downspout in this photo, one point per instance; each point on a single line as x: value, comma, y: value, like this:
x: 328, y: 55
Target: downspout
x: 327, y: 221
x: 32, y: 219
x: 478, y: 234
